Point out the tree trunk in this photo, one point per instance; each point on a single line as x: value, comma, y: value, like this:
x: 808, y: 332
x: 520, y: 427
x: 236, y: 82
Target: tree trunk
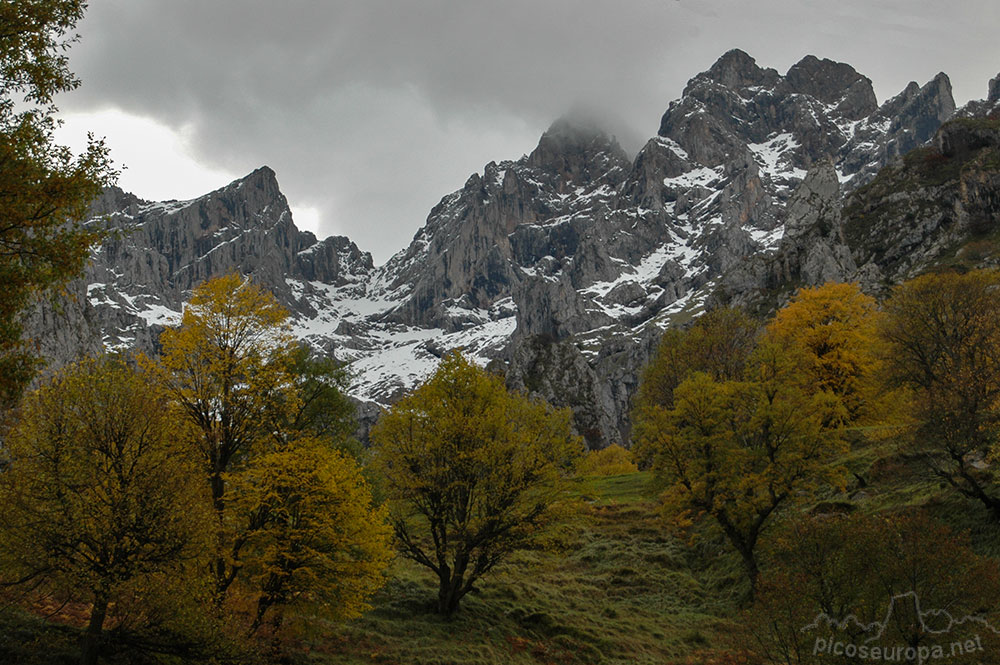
x: 449, y: 594
x: 753, y: 572
x: 92, y: 637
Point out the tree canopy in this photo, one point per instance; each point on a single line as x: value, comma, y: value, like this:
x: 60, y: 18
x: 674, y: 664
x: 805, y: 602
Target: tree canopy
x: 739, y: 441
x: 45, y: 190
x: 314, y: 539
x: 837, y: 325
x: 473, y: 472
x: 943, y: 344
x: 102, y: 491
x: 295, y: 523
x: 871, y: 567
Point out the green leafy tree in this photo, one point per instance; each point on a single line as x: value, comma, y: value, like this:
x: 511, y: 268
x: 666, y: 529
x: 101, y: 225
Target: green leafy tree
x: 323, y: 408
x: 473, y: 473
x: 101, y: 494
x: 45, y: 190
x: 943, y: 338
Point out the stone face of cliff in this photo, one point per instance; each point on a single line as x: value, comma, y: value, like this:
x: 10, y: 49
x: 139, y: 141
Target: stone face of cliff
x: 563, y: 267
x: 155, y: 253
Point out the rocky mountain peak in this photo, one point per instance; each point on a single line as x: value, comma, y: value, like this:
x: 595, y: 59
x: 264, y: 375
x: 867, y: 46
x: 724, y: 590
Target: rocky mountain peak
x: 834, y: 83
x: 994, y: 95
x: 573, y: 146
x: 114, y: 199
x: 736, y: 70
x: 263, y: 177
x: 561, y: 267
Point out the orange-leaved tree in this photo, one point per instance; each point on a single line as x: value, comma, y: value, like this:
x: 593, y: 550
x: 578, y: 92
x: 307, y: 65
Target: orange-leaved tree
x: 943, y: 337
x: 837, y: 325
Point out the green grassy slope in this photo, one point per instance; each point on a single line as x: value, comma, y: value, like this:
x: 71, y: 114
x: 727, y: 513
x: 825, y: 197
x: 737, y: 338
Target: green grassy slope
x: 616, y: 588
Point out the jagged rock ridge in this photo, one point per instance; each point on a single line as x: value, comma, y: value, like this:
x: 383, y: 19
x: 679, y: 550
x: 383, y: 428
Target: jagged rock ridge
x: 560, y: 268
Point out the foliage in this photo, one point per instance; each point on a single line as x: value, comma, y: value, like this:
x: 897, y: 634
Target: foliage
x: 227, y: 365
x: 719, y: 344
x: 323, y: 408
x: 611, y: 461
x: 738, y: 450
x: 314, y: 542
x: 836, y: 325
x: 45, y: 189
x: 859, y: 566
x: 473, y: 472
x: 943, y: 344
x: 294, y: 520
x: 101, y: 494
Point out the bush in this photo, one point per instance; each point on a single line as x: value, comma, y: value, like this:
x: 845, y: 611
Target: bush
x: 611, y: 461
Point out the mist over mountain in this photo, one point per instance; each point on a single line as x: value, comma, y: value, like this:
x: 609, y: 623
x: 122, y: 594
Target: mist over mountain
x: 561, y: 268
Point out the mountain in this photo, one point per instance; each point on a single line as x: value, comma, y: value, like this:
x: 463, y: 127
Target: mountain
x: 563, y: 267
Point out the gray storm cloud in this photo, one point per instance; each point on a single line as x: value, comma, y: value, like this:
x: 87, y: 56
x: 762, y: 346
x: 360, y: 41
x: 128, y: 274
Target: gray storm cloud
x: 372, y: 111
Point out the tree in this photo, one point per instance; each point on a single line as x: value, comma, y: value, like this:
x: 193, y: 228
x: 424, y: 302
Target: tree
x: 943, y: 337
x: 101, y: 494
x: 860, y: 565
x: 323, y: 409
x: 739, y: 450
x: 610, y: 461
x: 295, y: 524
x: 719, y: 343
x: 836, y: 324
x: 227, y: 365
x: 473, y: 473
x: 45, y: 190
x: 314, y: 540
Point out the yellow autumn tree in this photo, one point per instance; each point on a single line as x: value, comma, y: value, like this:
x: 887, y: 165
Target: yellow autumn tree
x: 227, y: 365
x: 473, y: 473
x: 737, y: 451
x: 719, y: 343
x: 316, y: 545
x: 837, y: 325
x: 294, y: 521
x: 101, y: 495
x: 610, y: 461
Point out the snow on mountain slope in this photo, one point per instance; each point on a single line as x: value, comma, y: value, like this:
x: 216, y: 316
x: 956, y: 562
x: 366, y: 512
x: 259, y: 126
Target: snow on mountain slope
x: 575, y: 247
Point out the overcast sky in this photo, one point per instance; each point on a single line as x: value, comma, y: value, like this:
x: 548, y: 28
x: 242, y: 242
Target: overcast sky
x: 371, y: 111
